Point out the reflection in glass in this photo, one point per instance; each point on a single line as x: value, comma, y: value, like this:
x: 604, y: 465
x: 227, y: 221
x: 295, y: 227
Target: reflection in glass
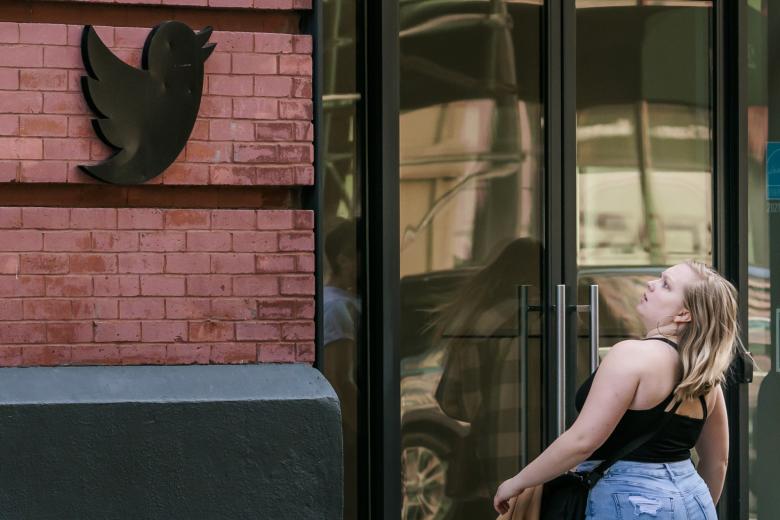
x: 644, y: 152
x: 763, y: 116
x: 340, y: 185
x: 470, y: 221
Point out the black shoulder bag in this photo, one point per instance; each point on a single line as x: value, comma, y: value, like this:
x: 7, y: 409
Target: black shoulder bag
x: 566, y: 497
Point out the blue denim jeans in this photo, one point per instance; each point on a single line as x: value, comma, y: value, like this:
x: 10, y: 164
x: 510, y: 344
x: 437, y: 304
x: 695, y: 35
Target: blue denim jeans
x: 649, y: 491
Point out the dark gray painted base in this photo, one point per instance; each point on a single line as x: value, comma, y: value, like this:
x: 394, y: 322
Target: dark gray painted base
x: 194, y: 442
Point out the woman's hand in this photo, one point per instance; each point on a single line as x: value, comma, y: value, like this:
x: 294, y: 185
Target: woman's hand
x: 508, y: 489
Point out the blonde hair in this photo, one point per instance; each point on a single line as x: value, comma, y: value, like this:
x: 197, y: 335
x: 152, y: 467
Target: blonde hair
x: 709, y: 342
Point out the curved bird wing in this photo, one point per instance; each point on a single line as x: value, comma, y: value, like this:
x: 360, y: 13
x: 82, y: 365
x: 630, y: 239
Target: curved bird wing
x: 114, y: 90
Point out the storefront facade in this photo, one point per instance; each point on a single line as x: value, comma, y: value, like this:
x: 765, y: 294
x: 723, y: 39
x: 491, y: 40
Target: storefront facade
x: 513, y: 172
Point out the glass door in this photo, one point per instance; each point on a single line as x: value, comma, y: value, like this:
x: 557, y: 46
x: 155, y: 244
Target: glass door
x: 471, y: 192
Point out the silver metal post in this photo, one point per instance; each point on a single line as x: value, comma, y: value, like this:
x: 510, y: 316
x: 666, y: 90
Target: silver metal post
x: 594, y: 327
x: 560, y: 307
x: 522, y: 322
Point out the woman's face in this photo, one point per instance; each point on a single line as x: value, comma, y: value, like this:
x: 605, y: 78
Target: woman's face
x: 662, y: 302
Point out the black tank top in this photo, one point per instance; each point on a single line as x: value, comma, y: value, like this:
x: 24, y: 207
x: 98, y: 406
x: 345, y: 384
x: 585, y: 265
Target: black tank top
x: 672, y: 444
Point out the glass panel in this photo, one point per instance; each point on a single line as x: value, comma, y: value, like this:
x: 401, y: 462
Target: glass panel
x: 470, y: 216
x: 644, y: 152
x: 341, y: 185
x: 763, y: 18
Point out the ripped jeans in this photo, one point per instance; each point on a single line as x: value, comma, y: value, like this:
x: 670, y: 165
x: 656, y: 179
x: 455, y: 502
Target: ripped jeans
x: 649, y: 491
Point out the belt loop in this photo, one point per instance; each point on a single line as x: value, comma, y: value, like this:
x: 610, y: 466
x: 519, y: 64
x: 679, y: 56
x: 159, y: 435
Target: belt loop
x: 669, y: 470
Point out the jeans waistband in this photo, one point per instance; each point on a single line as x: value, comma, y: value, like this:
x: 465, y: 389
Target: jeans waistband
x: 671, y: 469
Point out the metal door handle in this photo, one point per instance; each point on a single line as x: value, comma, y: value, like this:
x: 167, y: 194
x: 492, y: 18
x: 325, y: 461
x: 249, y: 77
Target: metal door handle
x: 594, y: 327
x: 560, y: 308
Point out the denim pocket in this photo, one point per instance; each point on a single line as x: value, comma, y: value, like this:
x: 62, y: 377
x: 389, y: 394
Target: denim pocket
x: 643, y: 506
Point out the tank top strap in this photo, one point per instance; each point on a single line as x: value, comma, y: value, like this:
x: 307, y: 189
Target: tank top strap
x: 665, y: 340
x: 703, y: 402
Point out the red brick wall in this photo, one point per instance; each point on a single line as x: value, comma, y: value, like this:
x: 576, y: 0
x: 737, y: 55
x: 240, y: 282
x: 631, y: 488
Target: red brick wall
x: 108, y: 285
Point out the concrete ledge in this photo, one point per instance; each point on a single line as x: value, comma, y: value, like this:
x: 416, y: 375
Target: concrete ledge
x: 237, y: 441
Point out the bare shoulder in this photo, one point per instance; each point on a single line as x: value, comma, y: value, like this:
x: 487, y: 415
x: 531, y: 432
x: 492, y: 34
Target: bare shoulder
x: 638, y: 353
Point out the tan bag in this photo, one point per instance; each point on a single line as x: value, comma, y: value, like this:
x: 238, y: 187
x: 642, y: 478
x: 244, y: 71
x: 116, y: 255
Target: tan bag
x: 525, y: 506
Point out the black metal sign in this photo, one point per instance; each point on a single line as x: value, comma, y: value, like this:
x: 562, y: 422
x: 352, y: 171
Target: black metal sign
x: 146, y: 115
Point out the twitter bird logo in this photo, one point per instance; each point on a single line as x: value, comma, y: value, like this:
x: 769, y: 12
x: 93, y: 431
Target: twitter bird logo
x: 145, y: 114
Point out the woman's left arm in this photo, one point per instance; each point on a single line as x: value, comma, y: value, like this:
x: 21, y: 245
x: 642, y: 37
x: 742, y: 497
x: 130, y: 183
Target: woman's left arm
x: 610, y: 396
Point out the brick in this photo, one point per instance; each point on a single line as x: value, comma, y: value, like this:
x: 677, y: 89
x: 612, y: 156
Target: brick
x: 43, y: 263
x: 11, y: 218
x: 187, y: 263
x: 188, y: 308
x: 256, y: 108
x: 116, y: 331
x: 298, y: 330
x: 296, y: 109
x: 19, y: 286
x: 230, y: 3
x: 200, y: 131
x: 43, y: 171
x: 255, y: 153
x: 276, y: 353
x: 94, y: 355
x: 273, y: 4
x: 21, y: 240
x: 43, y: 79
x: 10, y: 356
x: 304, y: 131
x: 186, y: 173
x: 48, y: 309
x: 218, y: 63
x: 273, y: 86
x: 275, y: 131
x: 203, y: 152
x: 285, y: 309
x: 164, y: 331
x: 234, y: 309
x: 163, y: 241
x: 45, y: 218
x: 297, y: 284
x: 9, y: 264
x: 46, y: 355
x: 233, y: 353
x: 141, y: 218
x: 302, y: 43
x: 257, y: 331
x: 123, y: 285
x: 304, y: 175
x: 9, y: 125
x: 230, y: 85
x: 117, y: 241
x: 21, y: 148
x: 296, y: 241
x: 194, y: 3
x: 187, y: 354
x: 162, y: 285
x: 233, y: 219
x: 187, y: 219
x: 233, y: 263
x: 9, y: 79
x: 43, y: 33
x: 302, y: 88
x: 69, y: 286
x: 77, y: 149
x: 305, y: 352
x: 274, y: 219
x: 255, y: 285
x: 231, y: 130
x: 207, y: 331
x: 275, y: 263
x: 129, y: 56
x: 93, y: 218
x: 69, y: 332
x: 105, y: 33
x: 255, y: 241
x: 245, y: 63
x: 229, y: 41
x: 303, y: 219
x: 44, y: 126
x: 93, y: 263
x: 22, y: 333
x: 130, y: 37
x: 212, y: 106
x: 295, y: 65
x: 21, y: 56
x: 142, y: 309
x: 305, y: 263
x: 273, y: 43
x: 63, y: 103
x: 208, y: 241
x: 143, y: 354
x: 232, y: 175
x: 67, y: 241
x: 8, y: 171
x: 9, y: 32
x: 141, y: 263
x: 209, y: 285
x: 96, y: 308
x: 62, y: 57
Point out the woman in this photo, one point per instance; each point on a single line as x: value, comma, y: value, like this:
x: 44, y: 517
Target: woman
x: 690, y: 315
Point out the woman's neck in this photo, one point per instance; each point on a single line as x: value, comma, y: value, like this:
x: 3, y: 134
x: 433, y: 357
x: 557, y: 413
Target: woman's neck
x: 661, y: 332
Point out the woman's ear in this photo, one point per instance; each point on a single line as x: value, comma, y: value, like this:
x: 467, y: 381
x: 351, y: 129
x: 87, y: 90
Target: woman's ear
x: 683, y: 317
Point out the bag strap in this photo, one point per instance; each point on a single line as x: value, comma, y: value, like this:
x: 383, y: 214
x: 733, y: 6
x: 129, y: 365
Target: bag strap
x: 596, y: 473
